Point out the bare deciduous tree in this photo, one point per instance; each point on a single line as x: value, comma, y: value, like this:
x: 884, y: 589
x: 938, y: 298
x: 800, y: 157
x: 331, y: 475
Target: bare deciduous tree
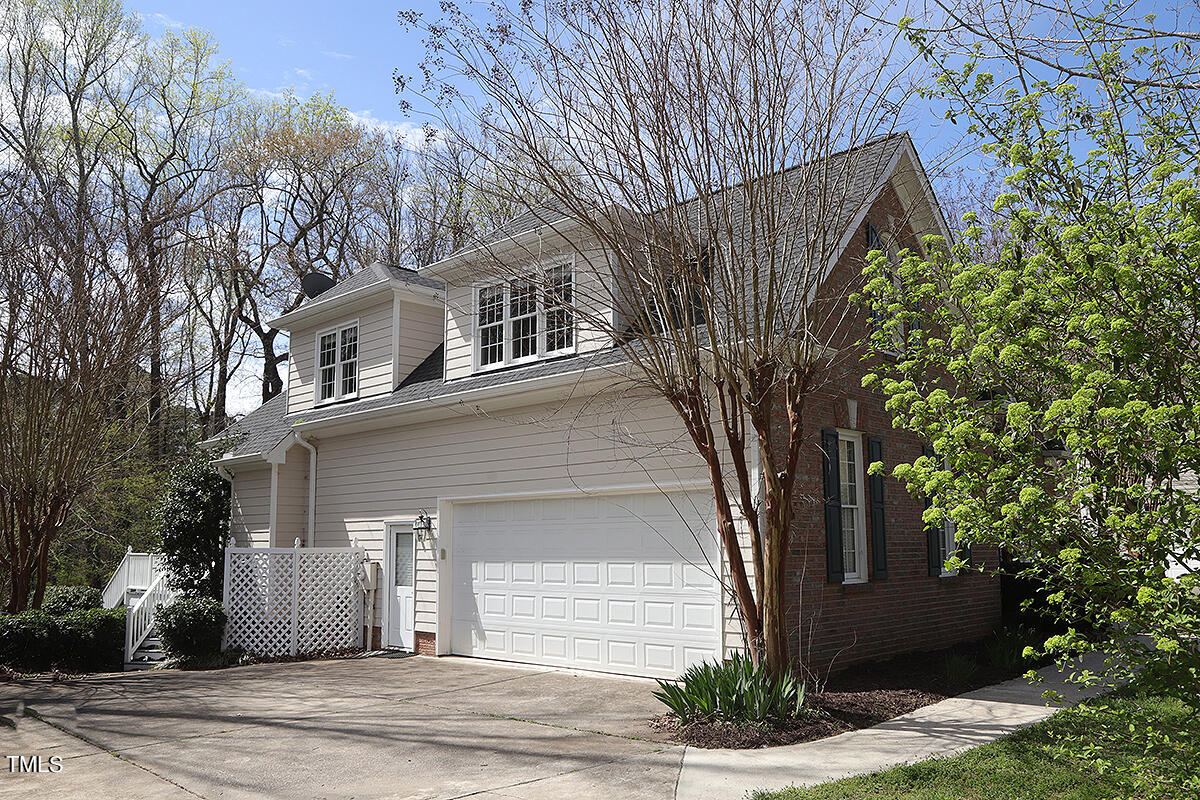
x: 74, y: 311
x: 708, y: 148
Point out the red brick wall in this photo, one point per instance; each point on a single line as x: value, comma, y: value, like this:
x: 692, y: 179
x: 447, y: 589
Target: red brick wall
x: 426, y: 643
x: 837, y: 624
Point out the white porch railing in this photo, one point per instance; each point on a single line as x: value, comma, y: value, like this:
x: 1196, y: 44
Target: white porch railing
x: 140, y: 619
x: 136, y: 571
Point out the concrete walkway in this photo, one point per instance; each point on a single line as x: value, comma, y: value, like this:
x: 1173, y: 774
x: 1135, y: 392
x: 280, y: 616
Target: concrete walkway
x: 945, y: 728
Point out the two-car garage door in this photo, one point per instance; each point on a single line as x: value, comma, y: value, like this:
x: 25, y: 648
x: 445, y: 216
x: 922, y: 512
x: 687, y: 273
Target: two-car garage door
x: 620, y: 583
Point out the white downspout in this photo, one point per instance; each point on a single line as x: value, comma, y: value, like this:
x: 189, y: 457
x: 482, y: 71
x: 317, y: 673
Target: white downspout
x: 227, y: 475
x: 310, y: 533
x: 274, y: 505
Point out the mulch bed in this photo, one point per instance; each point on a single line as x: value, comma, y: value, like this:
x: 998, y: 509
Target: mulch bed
x: 858, y: 697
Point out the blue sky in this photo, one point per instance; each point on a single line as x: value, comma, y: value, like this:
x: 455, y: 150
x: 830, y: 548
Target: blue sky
x: 349, y: 48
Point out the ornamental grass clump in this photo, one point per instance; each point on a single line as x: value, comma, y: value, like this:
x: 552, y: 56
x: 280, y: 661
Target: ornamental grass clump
x: 736, y: 691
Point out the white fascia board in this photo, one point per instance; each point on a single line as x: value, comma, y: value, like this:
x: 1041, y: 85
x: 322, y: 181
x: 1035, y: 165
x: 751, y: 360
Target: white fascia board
x: 227, y: 461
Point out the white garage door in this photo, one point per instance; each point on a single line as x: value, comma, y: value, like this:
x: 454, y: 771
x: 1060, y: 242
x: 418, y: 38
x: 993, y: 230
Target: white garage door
x: 619, y: 583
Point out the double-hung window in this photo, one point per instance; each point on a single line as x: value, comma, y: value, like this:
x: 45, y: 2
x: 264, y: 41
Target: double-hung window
x: 337, y: 363
x: 854, y: 527
x: 948, y: 546
x: 560, y: 319
x: 947, y: 542
x: 526, y: 318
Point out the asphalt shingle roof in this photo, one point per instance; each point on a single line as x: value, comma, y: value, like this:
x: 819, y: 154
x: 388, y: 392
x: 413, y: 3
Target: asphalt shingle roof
x: 530, y: 219
x: 368, y: 276
x: 266, y: 426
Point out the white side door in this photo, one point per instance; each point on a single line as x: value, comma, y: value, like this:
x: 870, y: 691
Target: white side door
x: 402, y: 603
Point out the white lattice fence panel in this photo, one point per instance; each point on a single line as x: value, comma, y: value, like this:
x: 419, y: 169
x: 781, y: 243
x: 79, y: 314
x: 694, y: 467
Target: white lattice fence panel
x: 329, y: 602
x: 285, y: 601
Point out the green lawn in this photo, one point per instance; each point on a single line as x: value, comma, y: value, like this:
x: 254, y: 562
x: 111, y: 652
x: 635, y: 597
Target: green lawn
x: 1026, y: 765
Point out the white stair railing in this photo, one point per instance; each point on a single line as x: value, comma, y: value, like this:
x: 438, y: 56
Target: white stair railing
x: 140, y: 619
x: 136, y: 571
x: 114, y: 590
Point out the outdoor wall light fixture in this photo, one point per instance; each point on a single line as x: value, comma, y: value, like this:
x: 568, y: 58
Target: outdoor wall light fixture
x: 423, y: 526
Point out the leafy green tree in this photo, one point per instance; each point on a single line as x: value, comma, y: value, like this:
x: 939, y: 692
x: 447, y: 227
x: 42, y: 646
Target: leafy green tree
x: 1052, y: 358
x: 193, y: 524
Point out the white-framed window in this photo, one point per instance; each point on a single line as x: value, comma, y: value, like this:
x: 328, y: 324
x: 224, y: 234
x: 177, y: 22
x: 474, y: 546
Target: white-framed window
x: 525, y: 319
x: 854, y: 524
x: 337, y: 363
x: 948, y: 546
x: 560, y: 318
x: 490, y: 305
x: 522, y: 321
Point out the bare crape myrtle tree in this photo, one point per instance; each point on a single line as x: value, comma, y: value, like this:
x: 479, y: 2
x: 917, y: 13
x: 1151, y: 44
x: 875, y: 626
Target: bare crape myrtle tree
x: 703, y: 159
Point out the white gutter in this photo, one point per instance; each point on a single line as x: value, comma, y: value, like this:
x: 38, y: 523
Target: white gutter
x: 310, y: 533
x: 227, y: 475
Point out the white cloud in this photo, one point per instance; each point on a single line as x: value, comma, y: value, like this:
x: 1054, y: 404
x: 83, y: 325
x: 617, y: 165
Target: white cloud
x: 162, y: 20
x: 411, y: 131
x: 284, y: 41
x: 336, y: 54
x: 267, y: 94
x: 303, y: 74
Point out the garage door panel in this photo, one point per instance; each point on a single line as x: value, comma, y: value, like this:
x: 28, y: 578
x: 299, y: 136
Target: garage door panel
x: 622, y: 584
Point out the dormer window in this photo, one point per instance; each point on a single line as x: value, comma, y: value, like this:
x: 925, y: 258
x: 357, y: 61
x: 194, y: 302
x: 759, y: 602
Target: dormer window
x: 526, y: 318
x: 337, y: 363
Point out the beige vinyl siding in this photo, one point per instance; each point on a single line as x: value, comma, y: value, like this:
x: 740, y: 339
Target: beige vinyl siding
x: 300, y: 370
x: 735, y: 635
x: 590, y: 271
x: 251, y: 506
x: 374, y: 352
x: 365, y: 479
x: 291, y: 515
x: 420, y: 334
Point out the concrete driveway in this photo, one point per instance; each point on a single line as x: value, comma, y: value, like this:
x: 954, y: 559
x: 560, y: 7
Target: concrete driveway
x: 362, y: 728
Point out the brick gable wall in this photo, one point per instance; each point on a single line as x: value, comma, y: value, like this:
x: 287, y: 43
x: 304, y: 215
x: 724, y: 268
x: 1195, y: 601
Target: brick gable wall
x: 838, y: 624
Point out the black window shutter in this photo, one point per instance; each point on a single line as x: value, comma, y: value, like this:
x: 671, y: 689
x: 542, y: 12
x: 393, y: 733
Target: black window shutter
x: 833, y: 507
x: 878, y: 532
x: 933, y: 532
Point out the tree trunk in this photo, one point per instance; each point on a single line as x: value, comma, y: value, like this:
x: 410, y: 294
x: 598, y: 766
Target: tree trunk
x: 272, y: 381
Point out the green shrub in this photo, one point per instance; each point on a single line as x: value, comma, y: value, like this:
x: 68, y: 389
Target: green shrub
x: 191, y: 629
x: 90, y: 640
x: 193, y: 523
x: 61, y: 600
x: 735, y: 691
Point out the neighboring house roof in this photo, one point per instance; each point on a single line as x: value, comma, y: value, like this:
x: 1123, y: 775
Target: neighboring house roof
x: 263, y: 429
